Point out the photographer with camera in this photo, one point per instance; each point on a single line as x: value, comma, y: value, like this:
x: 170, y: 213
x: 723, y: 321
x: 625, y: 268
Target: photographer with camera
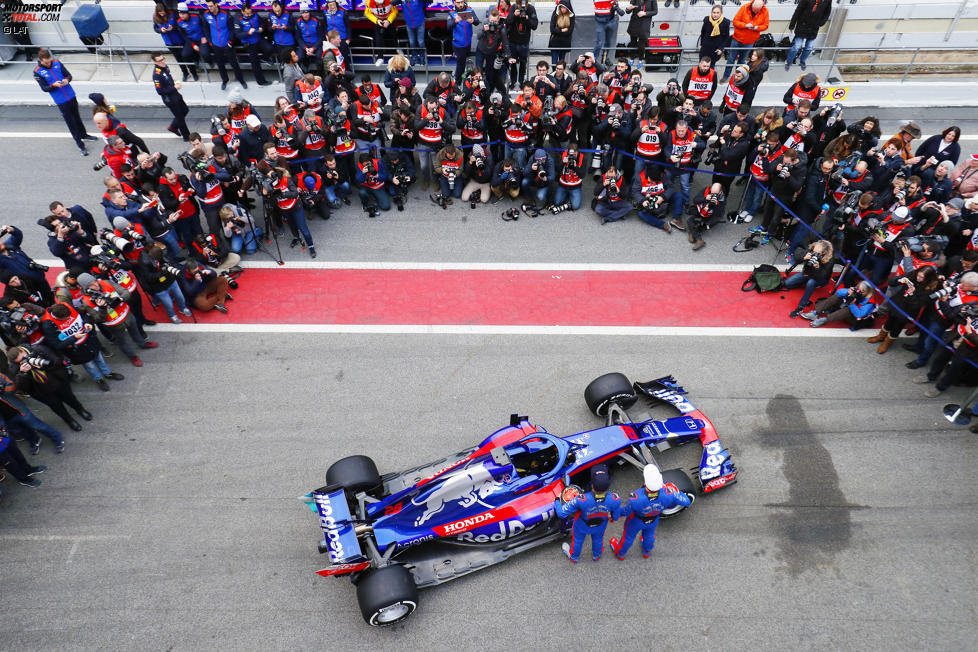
x: 940, y: 311
x: 677, y: 148
x: 668, y: 99
x: 311, y: 134
x: 538, y: 177
x: 507, y: 178
x: 448, y: 169
x: 909, y: 292
x: 492, y: 51
x: 955, y: 308
x: 114, y: 154
x: 474, y: 88
x: 203, y: 287
x: 40, y: 372
x: 372, y: 178
x: 610, y: 203
x: 703, y: 213
x: 881, y: 249
x: 22, y: 290
x: 123, y: 214
x: 814, y: 207
x: 402, y: 175
x: 177, y: 197
x: 279, y: 185
x: 367, y: 119
x: 105, y: 302
x: 521, y: 22
x: 433, y: 129
x: 648, y: 137
x: 109, y: 265
x: 310, y: 187
x: 544, y: 85
x: 240, y: 230
x: 159, y: 278
x: 16, y: 262
x: 650, y: 198
x: 852, y: 305
x: 727, y: 153
x: 520, y: 128
x: 739, y: 91
x: 568, y: 195
x: 884, y: 166
x: 760, y: 170
x: 69, y: 335
x: 236, y: 189
x: 158, y: 224
x: 20, y: 321
x: 478, y: 172
x: 787, y: 175
x: 613, y: 133
x: 471, y: 125
x: 251, y: 140
x: 206, y: 178
x: 18, y: 418
x: 68, y: 240
x: 336, y: 182
x: 816, y: 271
x: 935, y: 183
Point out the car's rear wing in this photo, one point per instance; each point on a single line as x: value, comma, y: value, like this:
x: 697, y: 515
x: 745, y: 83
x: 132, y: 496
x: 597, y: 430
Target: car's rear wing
x: 339, y: 536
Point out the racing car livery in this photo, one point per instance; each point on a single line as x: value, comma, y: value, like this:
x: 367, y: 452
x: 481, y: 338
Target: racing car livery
x: 399, y: 532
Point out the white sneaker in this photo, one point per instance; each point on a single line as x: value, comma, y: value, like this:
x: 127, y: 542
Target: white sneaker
x: 566, y: 548
x: 176, y: 320
x: 747, y: 217
x: 379, y: 62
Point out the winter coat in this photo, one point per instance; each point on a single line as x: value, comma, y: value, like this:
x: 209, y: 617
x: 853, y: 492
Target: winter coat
x: 561, y: 40
x: 809, y: 17
x: 640, y: 26
x: 710, y: 44
x: 761, y: 20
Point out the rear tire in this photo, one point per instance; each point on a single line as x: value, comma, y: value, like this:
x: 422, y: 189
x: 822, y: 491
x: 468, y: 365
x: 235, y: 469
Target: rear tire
x: 355, y: 473
x: 387, y: 595
x: 607, y: 389
x: 679, y: 478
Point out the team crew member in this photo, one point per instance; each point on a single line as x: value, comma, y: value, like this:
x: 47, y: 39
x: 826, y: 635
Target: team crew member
x: 221, y: 34
x: 591, y: 512
x: 309, y: 37
x: 642, y: 509
x: 461, y: 20
x: 52, y: 76
x: 195, y: 42
x: 382, y: 14
x: 169, y: 92
x: 283, y: 34
x: 249, y: 30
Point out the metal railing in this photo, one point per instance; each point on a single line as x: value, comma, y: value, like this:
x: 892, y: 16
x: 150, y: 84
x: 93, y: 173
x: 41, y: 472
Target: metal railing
x: 891, y: 62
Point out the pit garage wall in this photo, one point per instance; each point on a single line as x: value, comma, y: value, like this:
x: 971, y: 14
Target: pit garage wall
x: 857, y: 24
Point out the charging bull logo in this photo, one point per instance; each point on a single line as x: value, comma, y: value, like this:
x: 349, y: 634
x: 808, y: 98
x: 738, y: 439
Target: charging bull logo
x: 465, y: 487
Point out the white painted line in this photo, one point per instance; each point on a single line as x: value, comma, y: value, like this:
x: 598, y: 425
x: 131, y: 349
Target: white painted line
x: 501, y: 266
x: 467, y: 329
x: 63, y: 537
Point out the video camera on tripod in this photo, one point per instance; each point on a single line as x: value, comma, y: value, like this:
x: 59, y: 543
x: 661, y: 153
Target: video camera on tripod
x: 848, y: 207
x: 267, y: 182
x: 548, y: 116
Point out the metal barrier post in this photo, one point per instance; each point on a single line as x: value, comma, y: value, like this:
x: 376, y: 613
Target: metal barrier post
x: 125, y: 53
x: 906, y: 71
x: 835, y: 54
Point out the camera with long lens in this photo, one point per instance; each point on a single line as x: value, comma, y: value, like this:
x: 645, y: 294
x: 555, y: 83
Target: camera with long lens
x: 950, y: 289
x: 713, y: 198
x: 196, y: 166
x: 37, y: 267
x: 712, y: 150
x: 916, y: 243
x: 512, y: 182
x: 900, y: 195
x: 450, y: 177
x: 615, y: 7
x: 217, y: 126
x: 116, y: 242
x: 480, y: 163
x: 267, y: 183
x: 100, y: 163
x: 37, y: 361
x: 111, y: 300
x: 871, y: 226
x: 548, y: 117
x: 967, y: 312
x: 811, y: 263
x: 833, y: 116
x: 784, y: 172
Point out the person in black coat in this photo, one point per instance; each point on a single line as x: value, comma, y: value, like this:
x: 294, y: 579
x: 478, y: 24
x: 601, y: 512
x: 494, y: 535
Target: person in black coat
x: 808, y: 18
x: 639, y: 25
x: 937, y: 148
x: 714, y: 35
x: 561, y: 31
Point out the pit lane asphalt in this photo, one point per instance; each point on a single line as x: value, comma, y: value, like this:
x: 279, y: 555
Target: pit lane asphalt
x: 172, y: 521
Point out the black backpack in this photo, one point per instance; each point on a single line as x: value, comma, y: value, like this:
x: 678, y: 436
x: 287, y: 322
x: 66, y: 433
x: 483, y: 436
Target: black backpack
x: 765, y: 41
x: 764, y: 278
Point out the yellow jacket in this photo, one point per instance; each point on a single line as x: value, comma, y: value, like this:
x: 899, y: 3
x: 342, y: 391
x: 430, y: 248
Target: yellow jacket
x: 376, y: 10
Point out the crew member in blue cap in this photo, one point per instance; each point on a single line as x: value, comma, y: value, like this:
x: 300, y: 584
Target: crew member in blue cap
x: 642, y: 510
x: 591, y: 511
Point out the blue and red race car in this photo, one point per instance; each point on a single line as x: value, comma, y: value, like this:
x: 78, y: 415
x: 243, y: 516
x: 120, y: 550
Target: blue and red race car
x: 399, y: 532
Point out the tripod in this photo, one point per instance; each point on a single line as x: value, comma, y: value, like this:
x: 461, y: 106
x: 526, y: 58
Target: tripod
x: 271, y: 232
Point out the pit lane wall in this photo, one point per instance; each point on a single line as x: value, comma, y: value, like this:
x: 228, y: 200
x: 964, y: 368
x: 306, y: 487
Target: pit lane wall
x: 860, y: 24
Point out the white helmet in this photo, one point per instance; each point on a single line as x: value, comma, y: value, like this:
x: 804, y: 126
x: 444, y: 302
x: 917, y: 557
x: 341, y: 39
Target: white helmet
x: 653, y: 479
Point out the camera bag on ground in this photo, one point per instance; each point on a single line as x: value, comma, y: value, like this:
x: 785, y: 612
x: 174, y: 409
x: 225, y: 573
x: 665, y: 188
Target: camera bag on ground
x: 764, y: 278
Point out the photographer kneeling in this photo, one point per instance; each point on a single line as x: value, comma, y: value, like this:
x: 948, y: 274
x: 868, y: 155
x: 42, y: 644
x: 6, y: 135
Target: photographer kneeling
x: 703, y: 212
x: 610, y: 203
x: 239, y: 229
x: 816, y: 272
x: 203, y: 288
x: 538, y: 177
x: 402, y: 175
x: 506, y: 179
x: 478, y: 171
x: 851, y: 305
x: 650, y: 197
x: 448, y: 167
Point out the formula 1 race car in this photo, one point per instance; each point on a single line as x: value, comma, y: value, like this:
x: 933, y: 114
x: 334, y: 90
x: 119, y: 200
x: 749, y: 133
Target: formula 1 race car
x: 399, y: 532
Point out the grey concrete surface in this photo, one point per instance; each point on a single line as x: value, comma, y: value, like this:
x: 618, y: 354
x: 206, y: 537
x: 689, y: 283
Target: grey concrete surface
x: 172, y: 522
x: 423, y: 232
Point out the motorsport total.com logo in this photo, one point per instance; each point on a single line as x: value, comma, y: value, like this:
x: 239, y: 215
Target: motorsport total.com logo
x: 16, y: 14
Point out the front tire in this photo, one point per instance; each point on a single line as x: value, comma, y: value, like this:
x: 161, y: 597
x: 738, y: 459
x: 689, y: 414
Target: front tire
x: 679, y: 478
x: 355, y: 473
x: 387, y: 595
x: 607, y: 389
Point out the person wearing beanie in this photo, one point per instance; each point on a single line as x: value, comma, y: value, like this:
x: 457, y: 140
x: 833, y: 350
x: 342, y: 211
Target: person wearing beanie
x: 105, y: 303
x: 591, y: 512
x: 750, y: 21
x: 805, y: 88
x: 238, y: 110
x: 196, y: 45
x: 539, y: 177
x: 642, y: 510
x: 739, y: 91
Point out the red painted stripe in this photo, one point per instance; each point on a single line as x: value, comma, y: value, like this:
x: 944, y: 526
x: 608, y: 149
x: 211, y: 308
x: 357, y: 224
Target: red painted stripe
x: 530, y: 298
